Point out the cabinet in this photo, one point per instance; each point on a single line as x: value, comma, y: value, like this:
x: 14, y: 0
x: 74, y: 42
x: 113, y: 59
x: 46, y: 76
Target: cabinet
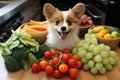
x: 31, y: 11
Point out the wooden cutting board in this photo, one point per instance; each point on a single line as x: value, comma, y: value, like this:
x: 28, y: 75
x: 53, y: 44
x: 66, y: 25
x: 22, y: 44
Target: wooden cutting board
x: 114, y: 74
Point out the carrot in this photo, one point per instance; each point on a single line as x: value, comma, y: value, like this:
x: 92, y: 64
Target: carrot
x: 39, y: 28
x: 35, y: 26
x: 32, y: 22
x: 30, y: 30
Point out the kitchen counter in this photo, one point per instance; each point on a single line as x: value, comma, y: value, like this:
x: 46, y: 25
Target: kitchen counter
x: 114, y: 74
x: 11, y: 8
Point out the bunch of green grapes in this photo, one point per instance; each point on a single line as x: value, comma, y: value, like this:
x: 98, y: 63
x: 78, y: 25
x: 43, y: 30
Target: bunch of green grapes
x: 98, y: 58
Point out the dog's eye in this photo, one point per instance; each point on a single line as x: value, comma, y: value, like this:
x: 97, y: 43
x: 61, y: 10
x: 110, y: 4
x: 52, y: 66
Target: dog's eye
x: 69, y: 22
x: 57, y: 22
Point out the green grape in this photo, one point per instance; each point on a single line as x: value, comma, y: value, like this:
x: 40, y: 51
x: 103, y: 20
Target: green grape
x: 88, y: 40
x: 82, y: 53
x: 91, y: 63
x: 84, y: 60
x: 104, y: 54
x: 90, y: 31
x: 86, y: 67
x: 87, y: 35
x: 113, y: 54
x: 89, y: 55
x: 74, y: 50
x: 98, y: 66
x: 111, y: 60
x: 108, y: 67
x: 93, y: 71
x: 86, y: 46
x: 93, y: 36
x: 102, y: 70
x: 80, y: 44
x: 105, y: 61
x: 97, y: 58
x: 107, y: 48
x: 91, y: 48
x: 96, y: 50
x: 80, y: 49
x: 94, y: 41
x: 102, y: 47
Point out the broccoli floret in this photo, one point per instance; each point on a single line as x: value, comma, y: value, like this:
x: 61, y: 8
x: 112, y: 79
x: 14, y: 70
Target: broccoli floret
x: 42, y: 50
x: 12, y: 64
x: 20, y: 53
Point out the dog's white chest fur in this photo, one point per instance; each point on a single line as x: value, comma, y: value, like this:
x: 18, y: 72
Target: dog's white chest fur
x: 54, y: 41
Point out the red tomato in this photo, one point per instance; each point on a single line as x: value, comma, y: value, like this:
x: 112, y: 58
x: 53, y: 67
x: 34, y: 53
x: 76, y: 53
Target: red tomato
x: 57, y: 74
x: 35, y: 68
x: 56, y: 60
x: 49, y: 69
x: 66, y: 57
x: 72, y: 62
x: 66, y: 50
x: 73, y: 72
x: 63, y: 68
x: 79, y: 64
x: 48, y: 55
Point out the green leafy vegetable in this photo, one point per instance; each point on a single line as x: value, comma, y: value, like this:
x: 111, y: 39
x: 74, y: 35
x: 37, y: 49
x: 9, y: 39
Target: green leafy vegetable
x: 21, y: 53
x: 19, y: 49
x: 32, y: 58
x: 12, y: 64
x: 42, y: 50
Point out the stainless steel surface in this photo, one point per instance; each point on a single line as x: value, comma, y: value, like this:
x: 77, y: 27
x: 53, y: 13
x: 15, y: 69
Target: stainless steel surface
x: 3, y: 4
x: 11, y: 7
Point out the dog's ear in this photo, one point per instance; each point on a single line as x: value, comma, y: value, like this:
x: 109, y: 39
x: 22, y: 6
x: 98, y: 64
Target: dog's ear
x: 78, y: 10
x: 49, y: 10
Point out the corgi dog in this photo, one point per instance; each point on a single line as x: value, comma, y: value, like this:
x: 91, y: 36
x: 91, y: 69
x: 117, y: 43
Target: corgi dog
x: 63, y: 26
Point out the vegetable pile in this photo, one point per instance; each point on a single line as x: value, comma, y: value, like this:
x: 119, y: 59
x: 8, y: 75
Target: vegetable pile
x: 104, y: 32
x: 57, y: 63
x: 98, y: 58
x: 35, y: 26
x: 19, y: 50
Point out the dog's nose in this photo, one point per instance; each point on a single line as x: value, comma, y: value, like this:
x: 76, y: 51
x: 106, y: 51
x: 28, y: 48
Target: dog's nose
x: 63, y: 28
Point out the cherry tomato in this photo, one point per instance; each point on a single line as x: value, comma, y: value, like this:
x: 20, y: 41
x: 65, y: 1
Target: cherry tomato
x: 72, y: 62
x: 76, y: 57
x: 66, y: 50
x: 48, y: 55
x: 35, y: 68
x: 56, y: 60
x: 43, y: 64
x: 53, y: 52
x: 58, y: 51
x: 73, y: 72
x: 51, y: 62
x: 49, y: 69
x: 66, y: 57
x: 63, y: 68
x: 57, y: 74
x: 79, y: 64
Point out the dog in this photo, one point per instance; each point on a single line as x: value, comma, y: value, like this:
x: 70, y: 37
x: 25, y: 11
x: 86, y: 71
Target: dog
x: 63, y: 26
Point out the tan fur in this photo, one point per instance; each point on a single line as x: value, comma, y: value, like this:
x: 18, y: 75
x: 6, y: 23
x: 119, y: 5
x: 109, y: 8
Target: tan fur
x: 52, y: 14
